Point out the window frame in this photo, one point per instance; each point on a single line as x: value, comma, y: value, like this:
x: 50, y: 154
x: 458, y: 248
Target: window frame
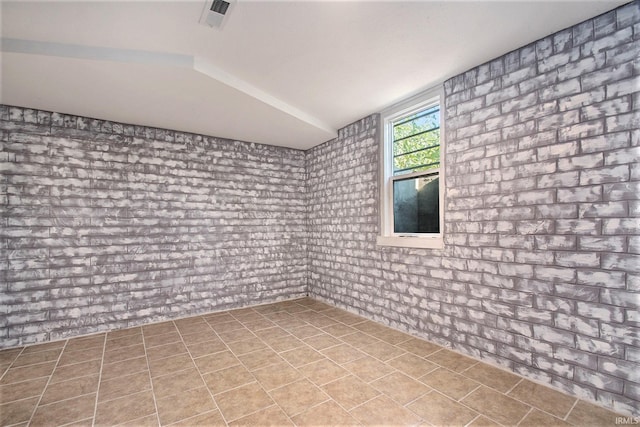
x: 388, y: 237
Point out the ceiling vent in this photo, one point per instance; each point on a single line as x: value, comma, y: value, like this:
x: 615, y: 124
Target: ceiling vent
x: 215, y: 12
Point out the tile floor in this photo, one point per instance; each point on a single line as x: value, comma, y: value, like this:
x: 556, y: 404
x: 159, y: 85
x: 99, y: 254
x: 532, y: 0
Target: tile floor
x: 292, y: 363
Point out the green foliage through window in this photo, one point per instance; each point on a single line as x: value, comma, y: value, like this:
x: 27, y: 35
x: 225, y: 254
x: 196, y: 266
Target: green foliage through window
x: 416, y: 142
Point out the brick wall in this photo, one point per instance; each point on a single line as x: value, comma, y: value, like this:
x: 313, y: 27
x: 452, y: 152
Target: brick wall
x: 107, y: 225
x: 541, y: 268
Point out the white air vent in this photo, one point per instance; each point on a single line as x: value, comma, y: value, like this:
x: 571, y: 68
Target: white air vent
x: 215, y: 12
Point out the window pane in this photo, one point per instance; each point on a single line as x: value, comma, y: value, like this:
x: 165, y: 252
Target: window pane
x: 416, y: 141
x: 428, y: 158
x: 419, y: 122
x: 416, y: 205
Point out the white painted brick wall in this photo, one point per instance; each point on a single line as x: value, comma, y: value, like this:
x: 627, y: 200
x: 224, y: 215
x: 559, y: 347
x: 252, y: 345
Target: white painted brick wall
x: 108, y: 225
x: 541, y: 267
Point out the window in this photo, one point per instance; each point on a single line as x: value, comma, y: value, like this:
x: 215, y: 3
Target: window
x: 413, y: 173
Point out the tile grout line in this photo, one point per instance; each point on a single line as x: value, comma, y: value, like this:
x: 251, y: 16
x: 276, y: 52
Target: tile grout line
x: 566, y: 417
x: 368, y: 400
x: 480, y: 384
x: 213, y: 399
x: 74, y: 422
x: 329, y: 399
x: 473, y: 420
x: 469, y: 393
x: 436, y: 364
x: 191, y: 417
x: 460, y: 401
x: 12, y: 362
x: 430, y: 389
x: 405, y: 405
x: 506, y: 393
x: 129, y: 421
x: 319, y: 387
x: 146, y: 356
x: 349, y: 373
x: 433, y: 390
x: 104, y: 350
x: 66, y: 398
x: 273, y: 405
x: 44, y: 390
x: 531, y: 408
x: 544, y: 411
x: 268, y: 392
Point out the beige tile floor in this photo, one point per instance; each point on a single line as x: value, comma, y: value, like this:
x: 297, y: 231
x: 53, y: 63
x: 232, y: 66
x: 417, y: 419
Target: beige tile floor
x: 292, y: 363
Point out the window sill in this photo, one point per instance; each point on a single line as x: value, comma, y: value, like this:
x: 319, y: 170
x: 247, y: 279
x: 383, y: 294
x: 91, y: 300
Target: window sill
x: 411, y: 242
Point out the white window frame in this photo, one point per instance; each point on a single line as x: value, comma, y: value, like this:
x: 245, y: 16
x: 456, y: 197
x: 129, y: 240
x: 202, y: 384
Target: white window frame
x: 388, y: 237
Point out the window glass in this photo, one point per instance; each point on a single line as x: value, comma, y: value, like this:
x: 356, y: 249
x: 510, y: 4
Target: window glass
x: 416, y: 204
x: 416, y: 142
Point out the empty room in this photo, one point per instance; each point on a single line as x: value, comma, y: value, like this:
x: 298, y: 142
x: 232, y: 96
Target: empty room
x: 319, y: 213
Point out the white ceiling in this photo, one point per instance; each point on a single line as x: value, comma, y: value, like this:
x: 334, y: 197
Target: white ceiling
x: 286, y: 73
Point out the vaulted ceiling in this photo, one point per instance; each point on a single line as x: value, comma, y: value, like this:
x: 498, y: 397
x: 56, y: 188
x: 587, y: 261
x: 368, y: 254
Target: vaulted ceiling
x: 286, y: 73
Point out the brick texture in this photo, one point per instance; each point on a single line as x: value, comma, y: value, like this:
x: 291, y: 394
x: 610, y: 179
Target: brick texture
x: 540, y: 269
x: 108, y: 225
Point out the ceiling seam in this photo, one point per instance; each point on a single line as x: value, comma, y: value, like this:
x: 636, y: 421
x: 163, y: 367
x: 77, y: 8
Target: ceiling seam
x: 195, y: 63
